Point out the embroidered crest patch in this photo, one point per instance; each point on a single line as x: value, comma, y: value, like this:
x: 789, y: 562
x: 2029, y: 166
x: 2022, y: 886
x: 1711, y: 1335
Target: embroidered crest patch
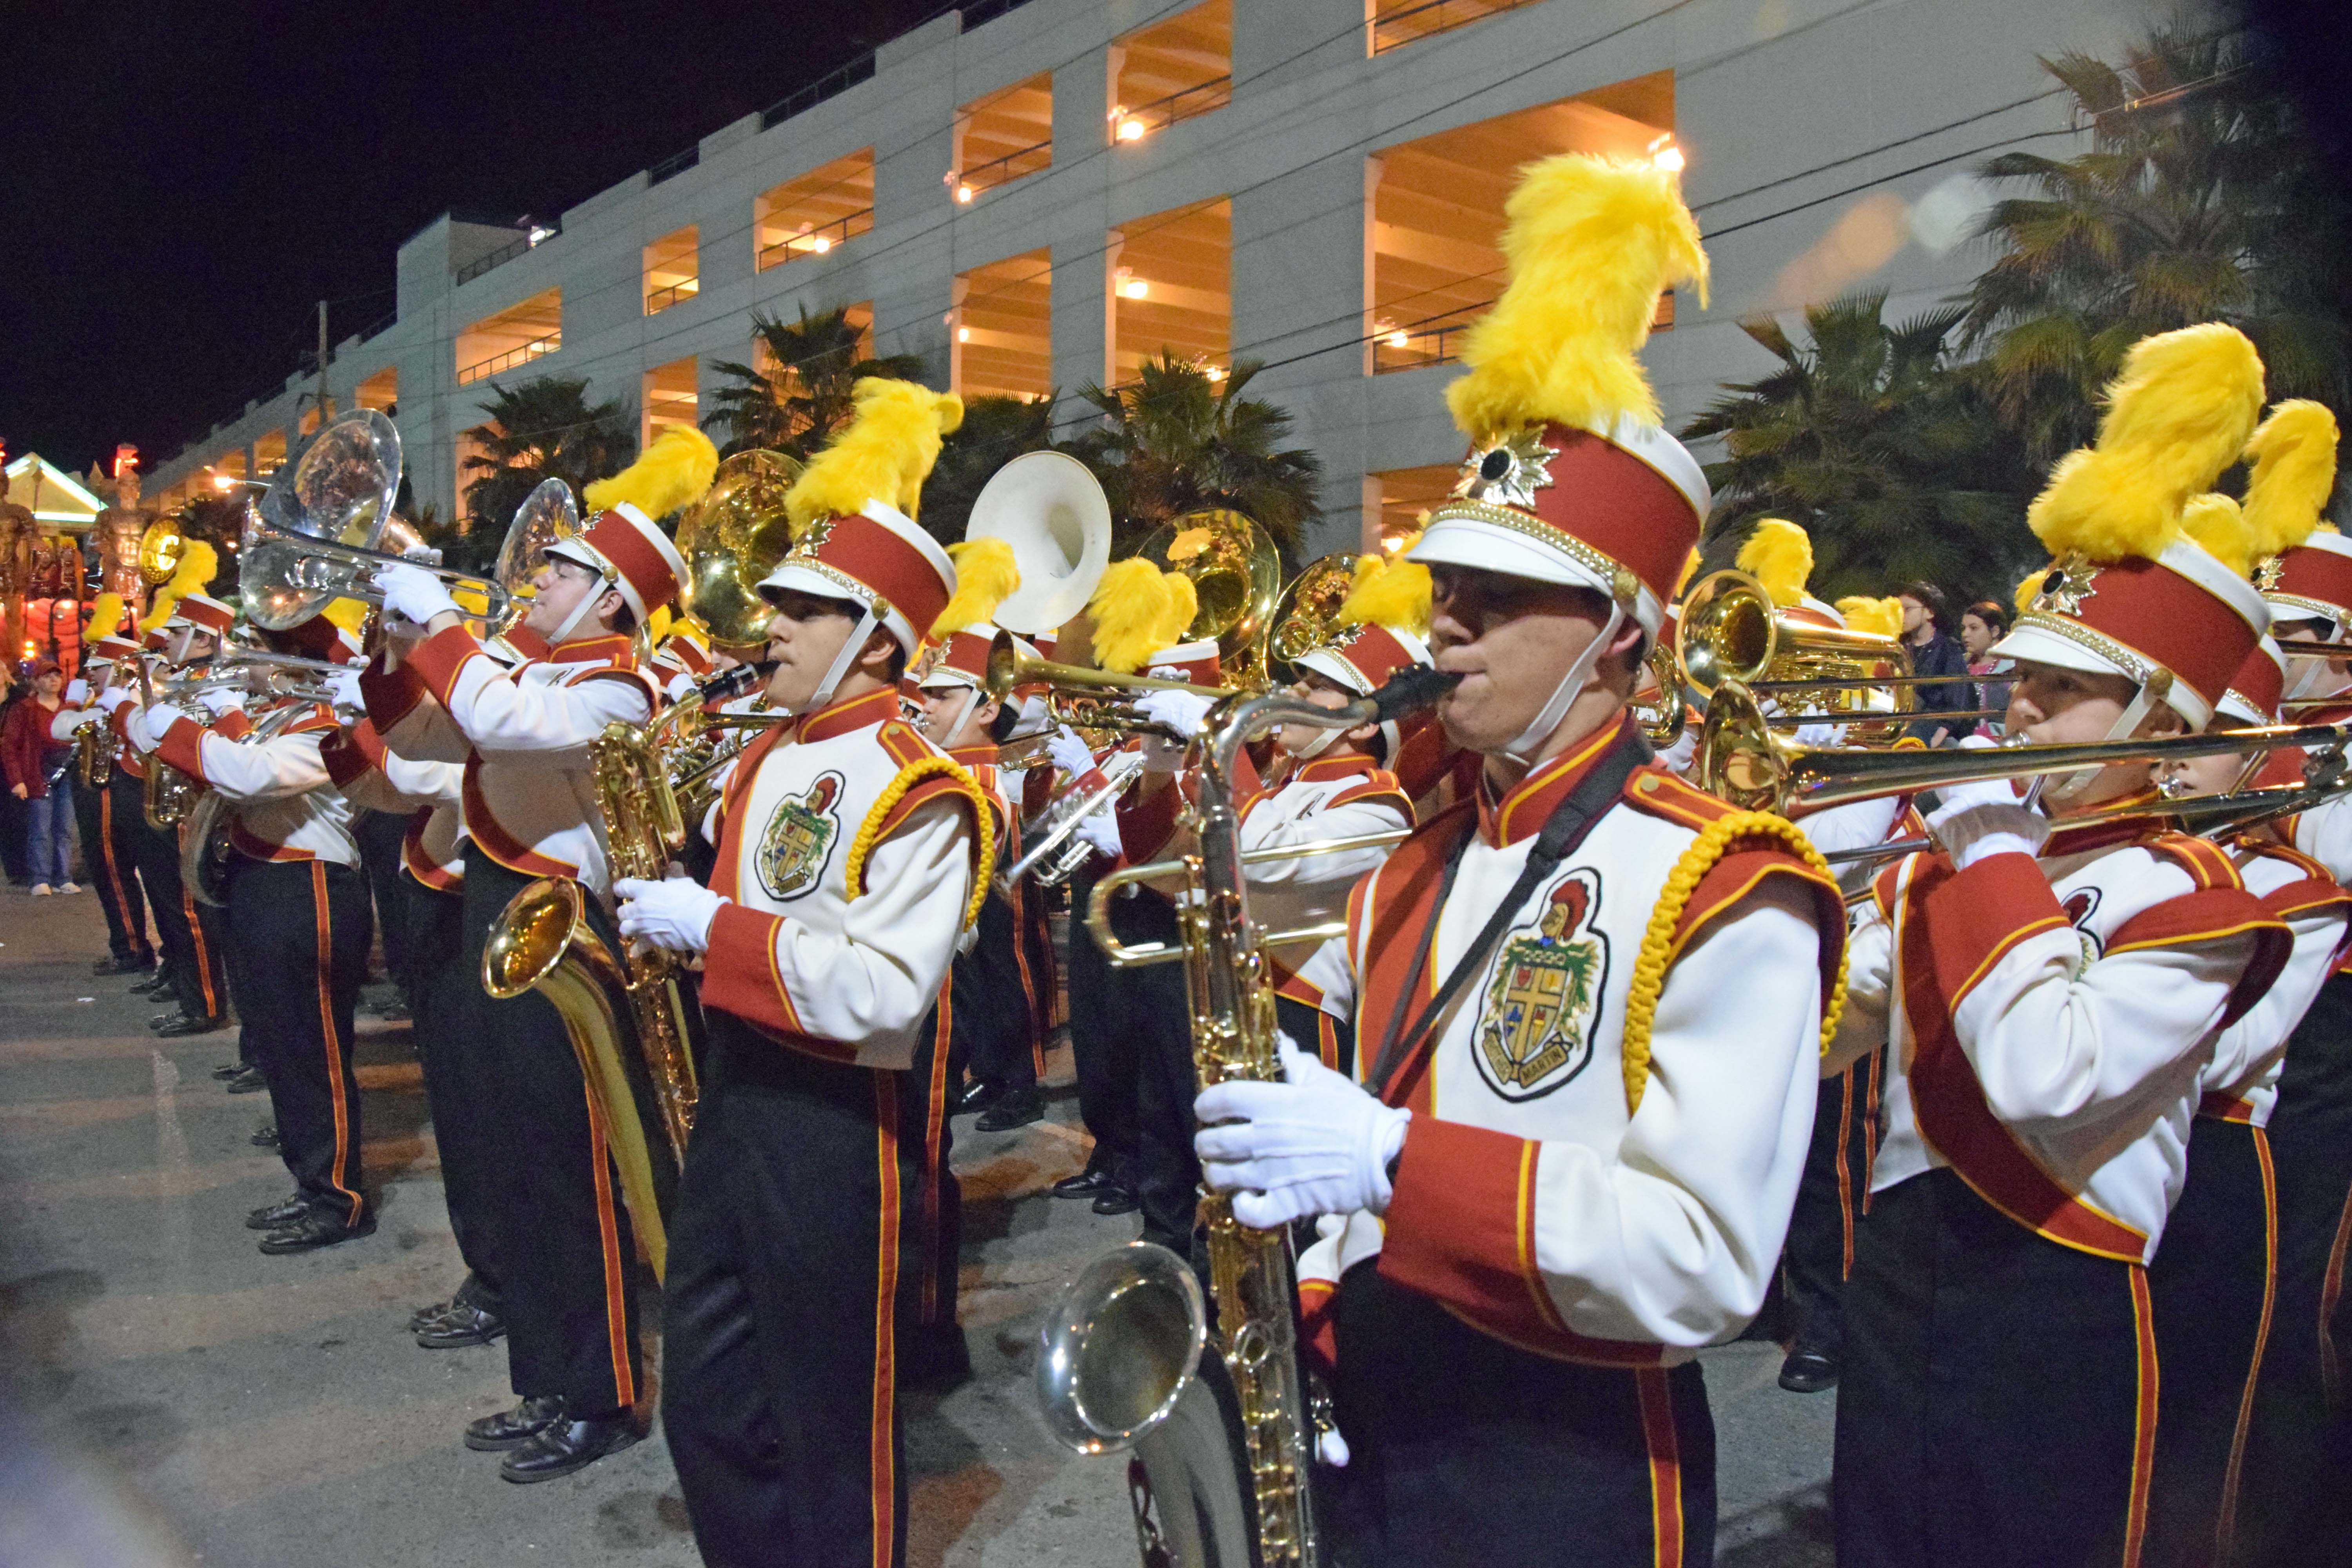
x: 1543, y: 1004
x: 2080, y: 905
x: 798, y: 838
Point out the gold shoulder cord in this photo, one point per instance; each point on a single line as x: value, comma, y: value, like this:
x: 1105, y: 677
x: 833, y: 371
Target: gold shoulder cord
x: 910, y: 776
x: 1714, y: 841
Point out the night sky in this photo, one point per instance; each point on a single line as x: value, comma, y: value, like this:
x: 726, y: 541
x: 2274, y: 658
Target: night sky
x: 184, y: 183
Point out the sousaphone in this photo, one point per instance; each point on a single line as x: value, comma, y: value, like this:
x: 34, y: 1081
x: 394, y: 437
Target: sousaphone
x: 1054, y: 514
x: 735, y: 536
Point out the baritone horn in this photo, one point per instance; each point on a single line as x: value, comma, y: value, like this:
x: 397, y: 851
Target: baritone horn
x: 736, y: 535
x: 1236, y: 575
x: 1730, y: 630
x: 159, y: 548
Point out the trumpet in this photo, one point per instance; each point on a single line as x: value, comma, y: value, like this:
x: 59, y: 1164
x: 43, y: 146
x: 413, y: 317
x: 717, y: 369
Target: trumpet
x: 1741, y: 761
x: 1054, y: 850
x: 1730, y: 630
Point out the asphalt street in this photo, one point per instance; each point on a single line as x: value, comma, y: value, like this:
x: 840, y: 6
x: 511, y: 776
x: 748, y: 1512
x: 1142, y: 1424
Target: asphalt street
x: 171, y: 1395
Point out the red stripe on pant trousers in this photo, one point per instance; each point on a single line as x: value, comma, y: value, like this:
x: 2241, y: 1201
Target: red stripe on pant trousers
x: 324, y: 927
x: 886, y: 1302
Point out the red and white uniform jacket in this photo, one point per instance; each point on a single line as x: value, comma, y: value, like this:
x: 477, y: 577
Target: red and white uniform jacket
x: 980, y: 762
x: 851, y: 848
x: 1553, y: 1192
x: 373, y: 777
x: 2049, y: 1022
x: 1323, y: 798
x: 522, y: 734
x: 2241, y: 1084
x: 284, y: 803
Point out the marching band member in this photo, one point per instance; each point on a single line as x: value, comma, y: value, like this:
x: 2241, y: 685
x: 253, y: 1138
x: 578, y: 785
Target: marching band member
x: 852, y: 855
x: 2213, y: 1283
x: 105, y: 841
x: 2290, y: 1510
x: 1564, y: 1163
x: 2049, y: 1001
x: 301, y: 924
x: 118, y: 804
x: 564, y: 1240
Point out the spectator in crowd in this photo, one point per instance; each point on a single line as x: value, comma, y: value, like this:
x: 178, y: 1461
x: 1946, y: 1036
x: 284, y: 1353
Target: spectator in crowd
x: 40, y: 773
x: 12, y: 810
x: 1926, y: 627
x: 1983, y: 624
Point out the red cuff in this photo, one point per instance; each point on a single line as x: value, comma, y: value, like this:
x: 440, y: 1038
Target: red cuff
x: 738, y: 970
x: 183, y: 747
x: 390, y: 695
x: 350, y: 752
x: 437, y: 659
x: 1460, y: 1226
x: 1318, y: 1326
x: 1978, y: 914
x: 233, y: 725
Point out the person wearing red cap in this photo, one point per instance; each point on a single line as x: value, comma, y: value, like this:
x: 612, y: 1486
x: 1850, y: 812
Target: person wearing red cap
x: 1563, y: 1163
x: 852, y: 858
x: 559, y: 1231
x: 39, y: 773
x: 300, y: 925
x: 2051, y: 998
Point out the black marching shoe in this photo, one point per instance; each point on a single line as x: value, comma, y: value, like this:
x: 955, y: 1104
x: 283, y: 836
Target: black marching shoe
x: 1014, y: 1108
x: 1116, y: 1200
x: 464, y: 1323
x: 178, y: 1023
x: 124, y: 963
x: 1088, y: 1183
x: 227, y: 1070
x: 279, y: 1215
x: 156, y: 986
x: 461, y: 1296
x: 264, y: 1136
x: 314, y: 1230
x: 1808, y: 1371
x: 567, y: 1445
x: 513, y: 1428
x: 248, y: 1080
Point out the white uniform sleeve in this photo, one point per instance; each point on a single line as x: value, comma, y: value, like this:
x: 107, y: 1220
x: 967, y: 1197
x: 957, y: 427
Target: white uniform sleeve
x: 1264, y: 830
x: 502, y: 715
x: 275, y: 769
x: 2247, y: 1047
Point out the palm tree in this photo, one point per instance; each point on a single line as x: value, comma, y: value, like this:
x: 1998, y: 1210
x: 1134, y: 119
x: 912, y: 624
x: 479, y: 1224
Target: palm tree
x: 2198, y: 201
x: 1872, y: 442
x: 540, y: 429
x: 994, y: 431
x: 1174, y: 441
x: 795, y: 405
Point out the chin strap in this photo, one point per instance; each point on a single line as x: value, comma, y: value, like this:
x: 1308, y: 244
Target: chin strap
x: 841, y: 662
x: 970, y: 701
x: 587, y: 603
x: 1571, y: 686
x: 1321, y: 743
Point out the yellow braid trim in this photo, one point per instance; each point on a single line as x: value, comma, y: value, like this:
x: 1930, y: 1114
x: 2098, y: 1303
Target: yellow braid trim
x: 1714, y: 841
x: 869, y: 832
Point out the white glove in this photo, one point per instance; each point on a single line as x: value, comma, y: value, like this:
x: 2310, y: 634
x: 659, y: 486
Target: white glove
x: 1331, y: 1448
x: 114, y: 697
x: 1100, y: 829
x: 681, y: 686
x: 152, y: 722
x: 1179, y: 710
x: 1820, y: 735
x: 220, y: 700
x: 413, y: 593
x: 1070, y: 754
x: 343, y: 690
x: 675, y: 913
x: 1315, y: 1144
x: 1974, y: 822
x: 77, y: 691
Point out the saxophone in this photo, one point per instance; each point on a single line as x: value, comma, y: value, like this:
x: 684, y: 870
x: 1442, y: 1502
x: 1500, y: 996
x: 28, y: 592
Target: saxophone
x: 95, y: 748
x: 1122, y: 1365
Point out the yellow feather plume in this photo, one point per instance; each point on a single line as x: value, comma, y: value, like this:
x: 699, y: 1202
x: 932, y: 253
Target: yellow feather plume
x: 105, y: 615
x: 987, y: 574
x: 2212, y: 520
x: 349, y: 615
x: 884, y: 453
x: 1390, y: 592
x: 657, y: 625
x: 2294, y: 457
x: 2029, y: 588
x: 1864, y: 614
x: 673, y: 471
x: 198, y: 563
x: 1591, y: 241
x: 1183, y: 605
x: 2177, y: 415
x: 1689, y: 571
x: 1130, y: 610
x: 1780, y: 556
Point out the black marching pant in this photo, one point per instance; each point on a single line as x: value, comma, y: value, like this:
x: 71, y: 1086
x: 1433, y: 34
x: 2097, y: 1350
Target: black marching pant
x: 189, y: 934
x: 379, y: 835
x: 1832, y: 1195
x: 2297, y: 1502
x: 564, y: 1243
x: 1330, y: 1040
x: 1103, y: 1044
x: 780, y: 1308
x: 1463, y: 1449
x: 1150, y: 1006
x: 106, y: 846
x: 933, y: 1239
x: 1997, y: 1398
x: 999, y: 1029
x: 439, y: 992
x: 2210, y: 1286
x: 301, y: 930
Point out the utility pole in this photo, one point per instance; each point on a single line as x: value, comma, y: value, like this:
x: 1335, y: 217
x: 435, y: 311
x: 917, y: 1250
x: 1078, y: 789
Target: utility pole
x: 326, y: 409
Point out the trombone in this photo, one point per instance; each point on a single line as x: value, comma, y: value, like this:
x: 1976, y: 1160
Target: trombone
x: 1074, y: 693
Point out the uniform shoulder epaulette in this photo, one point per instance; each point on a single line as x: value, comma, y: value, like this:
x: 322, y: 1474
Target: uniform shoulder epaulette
x: 1378, y: 782
x: 1656, y: 790
x: 927, y: 777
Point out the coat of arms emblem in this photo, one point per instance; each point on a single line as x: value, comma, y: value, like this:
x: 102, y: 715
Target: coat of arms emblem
x: 1543, y: 1004
x: 798, y: 836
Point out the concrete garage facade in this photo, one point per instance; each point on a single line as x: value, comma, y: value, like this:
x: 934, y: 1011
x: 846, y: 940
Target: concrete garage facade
x: 1826, y: 145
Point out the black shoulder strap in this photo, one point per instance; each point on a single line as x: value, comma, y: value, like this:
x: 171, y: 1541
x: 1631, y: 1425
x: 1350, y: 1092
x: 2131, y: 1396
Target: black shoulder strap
x: 1566, y: 828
